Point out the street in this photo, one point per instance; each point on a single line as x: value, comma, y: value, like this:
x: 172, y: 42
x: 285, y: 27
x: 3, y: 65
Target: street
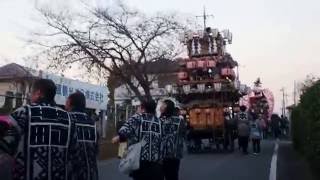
x: 209, y: 166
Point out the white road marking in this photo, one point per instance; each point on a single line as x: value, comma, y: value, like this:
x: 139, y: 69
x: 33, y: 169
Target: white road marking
x: 273, y: 167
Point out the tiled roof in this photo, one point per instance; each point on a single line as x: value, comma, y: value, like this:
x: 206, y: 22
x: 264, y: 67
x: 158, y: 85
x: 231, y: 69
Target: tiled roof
x: 14, y: 70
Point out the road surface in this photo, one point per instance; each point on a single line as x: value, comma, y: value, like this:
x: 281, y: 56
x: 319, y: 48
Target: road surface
x: 210, y: 166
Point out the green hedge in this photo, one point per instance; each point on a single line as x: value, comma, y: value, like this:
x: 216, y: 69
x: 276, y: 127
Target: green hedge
x: 306, y: 125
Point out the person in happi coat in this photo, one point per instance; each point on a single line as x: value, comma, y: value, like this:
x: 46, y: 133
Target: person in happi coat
x: 87, y: 140
x: 174, y: 134
x: 46, y: 136
x: 243, y: 120
x: 144, y: 126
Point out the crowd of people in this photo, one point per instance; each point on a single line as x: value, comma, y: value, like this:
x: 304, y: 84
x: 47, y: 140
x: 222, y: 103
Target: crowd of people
x: 248, y: 126
x: 163, y: 139
x: 43, y: 141
x: 244, y: 126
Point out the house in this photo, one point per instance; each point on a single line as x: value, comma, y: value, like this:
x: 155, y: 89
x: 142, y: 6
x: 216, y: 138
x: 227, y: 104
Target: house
x: 16, y: 82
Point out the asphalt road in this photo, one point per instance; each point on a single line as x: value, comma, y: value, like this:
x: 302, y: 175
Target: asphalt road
x: 209, y: 166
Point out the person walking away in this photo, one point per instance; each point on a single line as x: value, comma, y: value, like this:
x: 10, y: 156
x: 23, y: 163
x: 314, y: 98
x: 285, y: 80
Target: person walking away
x: 284, y: 125
x: 47, y: 136
x: 256, y: 135
x: 275, y: 125
x: 87, y: 139
x: 174, y: 134
x: 233, y: 131
x: 144, y: 126
x: 228, y: 139
x: 262, y: 125
x: 243, y: 129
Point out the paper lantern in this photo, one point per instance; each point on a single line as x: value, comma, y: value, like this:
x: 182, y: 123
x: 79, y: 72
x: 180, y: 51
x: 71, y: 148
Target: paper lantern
x: 191, y: 64
x: 227, y: 72
x: 201, y: 87
x: 186, y: 89
x: 200, y: 64
x: 169, y: 88
x: 210, y: 63
x: 182, y: 75
x: 174, y: 90
x: 217, y: 86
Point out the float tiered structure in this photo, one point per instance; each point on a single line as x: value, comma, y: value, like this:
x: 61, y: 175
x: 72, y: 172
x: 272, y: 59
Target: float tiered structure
x: 208, y: 85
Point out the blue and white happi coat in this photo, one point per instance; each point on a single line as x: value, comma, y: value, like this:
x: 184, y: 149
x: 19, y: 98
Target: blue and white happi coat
x: 174, y: 134
x: 47, y: 138
x: 87, y: 147
x: 145, y: 127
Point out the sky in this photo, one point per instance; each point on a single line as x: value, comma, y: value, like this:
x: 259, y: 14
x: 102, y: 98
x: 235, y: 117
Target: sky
x: 276, y: 40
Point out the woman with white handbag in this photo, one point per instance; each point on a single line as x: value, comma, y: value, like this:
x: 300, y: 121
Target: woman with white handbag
x: 143, y: 160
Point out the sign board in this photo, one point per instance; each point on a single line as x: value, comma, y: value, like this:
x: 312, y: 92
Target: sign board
x: 96, y: 96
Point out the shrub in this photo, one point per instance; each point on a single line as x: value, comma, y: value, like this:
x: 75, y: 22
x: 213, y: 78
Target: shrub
x: 306, y: 125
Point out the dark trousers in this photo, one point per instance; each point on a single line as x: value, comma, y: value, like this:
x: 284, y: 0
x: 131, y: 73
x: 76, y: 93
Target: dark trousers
x: 171, y: 169
x: 243, y: 142
x: 256, y: 145
x: 148, y: 171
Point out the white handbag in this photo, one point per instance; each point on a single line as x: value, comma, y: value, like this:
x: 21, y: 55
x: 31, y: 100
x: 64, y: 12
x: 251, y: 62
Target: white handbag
x: 131, y: 158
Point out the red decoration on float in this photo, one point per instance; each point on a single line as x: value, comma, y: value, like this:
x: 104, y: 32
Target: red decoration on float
x: 201, y: 64
x: 191, y: 64
x: 228, y: 72
x: 210, y: 63
x: 182, y: 75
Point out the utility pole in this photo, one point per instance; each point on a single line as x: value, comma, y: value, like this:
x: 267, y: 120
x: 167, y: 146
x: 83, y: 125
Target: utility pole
x: 205, y: 16
x: 283, y: 101
x: 294, y: 93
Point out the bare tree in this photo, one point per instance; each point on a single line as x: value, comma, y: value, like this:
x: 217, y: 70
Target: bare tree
x: 118, y: 41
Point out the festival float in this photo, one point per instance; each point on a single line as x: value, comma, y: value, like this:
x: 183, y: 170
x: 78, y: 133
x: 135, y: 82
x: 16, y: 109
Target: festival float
x: 207, y: 86
x: 259, y: 100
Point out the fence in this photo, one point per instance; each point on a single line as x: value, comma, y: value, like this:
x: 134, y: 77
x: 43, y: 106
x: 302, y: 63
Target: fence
x: 10, y: 101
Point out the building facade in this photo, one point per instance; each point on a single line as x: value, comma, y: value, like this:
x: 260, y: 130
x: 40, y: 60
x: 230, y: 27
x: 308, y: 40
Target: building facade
x: 16, y: 82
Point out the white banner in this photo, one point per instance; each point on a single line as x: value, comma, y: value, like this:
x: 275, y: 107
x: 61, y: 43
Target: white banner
x: 96, y: 96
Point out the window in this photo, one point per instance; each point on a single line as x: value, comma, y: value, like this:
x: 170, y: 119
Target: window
x: 97, y: 97
x: 101, y: 98
x: 71, y: 90
x: 92, y: 96
x: 65, y: 90
x: 87, y: 94
x: 59, y: 92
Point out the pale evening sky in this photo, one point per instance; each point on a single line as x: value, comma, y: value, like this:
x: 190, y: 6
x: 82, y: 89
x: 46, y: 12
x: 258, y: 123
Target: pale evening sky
x: 276, y: 40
